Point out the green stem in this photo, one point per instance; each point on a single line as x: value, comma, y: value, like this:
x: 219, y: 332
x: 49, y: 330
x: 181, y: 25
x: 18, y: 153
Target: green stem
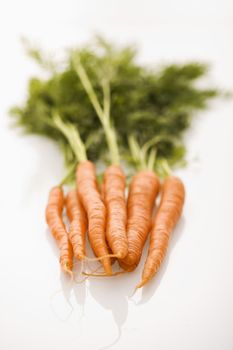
x: 73, y: 137
x: 165, y: 166
x: 145, y: 160
x: 87, y: 86
x: 136, y: 153
x: 68, y: 177
x: 155, y: 140
x: 151, y: 159
x: 108, y: 128
x: 102, y: 113
x: 107, y: 98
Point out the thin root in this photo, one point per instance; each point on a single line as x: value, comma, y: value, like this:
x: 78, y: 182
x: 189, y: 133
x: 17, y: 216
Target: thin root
x: 83, y: 273
x: 102, y: 257
x: 141, y: 284
x: 104, y: 274
x: 67, y: 270
x: 134, y: 291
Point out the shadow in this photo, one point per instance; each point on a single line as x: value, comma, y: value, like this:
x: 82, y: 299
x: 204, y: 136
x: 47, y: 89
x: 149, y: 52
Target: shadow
x: 70, y: 289
x: 149, y: 290
x: 113, y: 293
x: 79, y: 289
x: 116, y: 295
x: 62, y: 310
x: 113, y: 299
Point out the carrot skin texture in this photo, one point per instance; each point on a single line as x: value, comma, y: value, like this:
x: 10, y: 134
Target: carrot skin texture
x: 78, y: 223
x: 55, y: 222
x: 143, y: 191
x: 169, y: 212
x: 96, y: 213
x: 114, y: 199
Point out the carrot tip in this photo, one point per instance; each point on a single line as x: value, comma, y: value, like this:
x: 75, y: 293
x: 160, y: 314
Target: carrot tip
x: 140, y: 285
x: 134, y: 291
x: 67, y: 270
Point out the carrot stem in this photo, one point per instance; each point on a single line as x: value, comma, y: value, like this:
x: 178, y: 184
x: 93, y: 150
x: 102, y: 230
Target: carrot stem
x: 155, y: 140
x: 73, y: 136
x: 137, y: 154
x: 151, y: 159
x: 68, y: 175
x: 144, y: 156
x: 166, y: 168
x: 102, y: 112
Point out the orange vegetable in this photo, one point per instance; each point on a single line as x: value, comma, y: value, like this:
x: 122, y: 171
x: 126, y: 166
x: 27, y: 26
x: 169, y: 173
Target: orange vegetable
x: 114, y: 198
x: 168, y: 214
x: 55, y: 222
x: 78, y: 223
x: 142, y: 194
x: 96, y: 213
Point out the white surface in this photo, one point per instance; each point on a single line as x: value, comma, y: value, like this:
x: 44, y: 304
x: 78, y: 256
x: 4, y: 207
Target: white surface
x: 191, y: 305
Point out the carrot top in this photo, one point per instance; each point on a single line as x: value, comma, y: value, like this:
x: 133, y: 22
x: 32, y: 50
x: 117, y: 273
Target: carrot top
x: 145, y: 157
x: 148, y: 103
x: 103, y: 113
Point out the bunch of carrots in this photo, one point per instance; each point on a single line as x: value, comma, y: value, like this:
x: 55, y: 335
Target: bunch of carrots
x: 117, y: 227
x: 104, y: 107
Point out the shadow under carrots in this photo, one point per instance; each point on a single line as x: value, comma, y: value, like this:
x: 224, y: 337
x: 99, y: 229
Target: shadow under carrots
x: 114, y: 293
x: 70, y: 289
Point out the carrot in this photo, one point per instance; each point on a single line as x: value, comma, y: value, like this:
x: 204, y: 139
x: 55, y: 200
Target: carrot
x: 114, y: 180
x: 168, y: 214
x: 142, y: 193
x: 55, y: 222
x: 78, y: 224
x: 96, y: 213
x: 88, y: 193
x: 114, y: 199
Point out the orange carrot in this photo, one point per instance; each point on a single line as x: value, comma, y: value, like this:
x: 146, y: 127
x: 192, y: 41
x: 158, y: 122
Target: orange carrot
x: 55, y: 222
x: 78, y: 226
x: 142, y: 194
x: 78, y: 223
x: 168, y: 214
x: 114, y: 199
x: 96, y: 213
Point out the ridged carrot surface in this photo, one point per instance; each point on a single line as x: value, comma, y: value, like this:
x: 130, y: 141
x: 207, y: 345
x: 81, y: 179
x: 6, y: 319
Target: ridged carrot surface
x: 142, y: 194
x: 168, y: 214
x: 96, y: 213
x: 78, y: 223
x: 114, y: 199
x: 55, y: 222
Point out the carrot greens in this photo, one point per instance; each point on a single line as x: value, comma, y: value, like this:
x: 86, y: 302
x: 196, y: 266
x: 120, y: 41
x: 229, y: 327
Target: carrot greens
x: 155, y: 103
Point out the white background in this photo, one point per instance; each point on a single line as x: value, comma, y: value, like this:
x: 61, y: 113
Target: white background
x: 189, y: 305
